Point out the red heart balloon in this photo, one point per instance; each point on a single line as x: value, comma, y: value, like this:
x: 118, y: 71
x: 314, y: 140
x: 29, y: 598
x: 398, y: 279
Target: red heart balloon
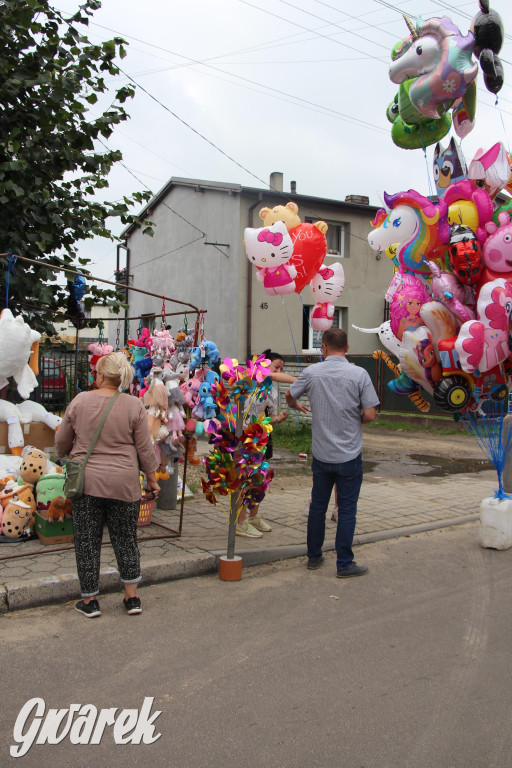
x: 309, y: 249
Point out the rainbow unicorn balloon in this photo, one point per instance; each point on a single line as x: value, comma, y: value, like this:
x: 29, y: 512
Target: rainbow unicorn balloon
x: 413, y: 229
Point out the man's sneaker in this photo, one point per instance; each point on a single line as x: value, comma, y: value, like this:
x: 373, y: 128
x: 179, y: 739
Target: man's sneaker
x: 315, y: 562
x: 132, y: 605
x: 352, y: 570
x: 90, y: 610
x: 260, y: 524
x: 244, y: 529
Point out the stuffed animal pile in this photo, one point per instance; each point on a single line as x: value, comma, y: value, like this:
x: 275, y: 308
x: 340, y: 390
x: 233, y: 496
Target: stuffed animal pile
x: 20, y: 481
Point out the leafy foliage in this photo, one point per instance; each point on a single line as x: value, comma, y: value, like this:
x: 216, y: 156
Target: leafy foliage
x: 52, y: 164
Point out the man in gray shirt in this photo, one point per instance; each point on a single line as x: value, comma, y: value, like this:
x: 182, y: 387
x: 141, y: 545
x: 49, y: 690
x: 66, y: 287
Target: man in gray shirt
x: 342, y: 398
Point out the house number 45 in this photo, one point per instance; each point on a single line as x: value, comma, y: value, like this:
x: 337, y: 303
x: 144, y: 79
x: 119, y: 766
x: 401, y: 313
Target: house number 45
x: 264, y: 305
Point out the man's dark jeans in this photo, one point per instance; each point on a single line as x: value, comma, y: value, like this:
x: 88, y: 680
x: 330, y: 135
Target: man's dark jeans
x: 348, y: 478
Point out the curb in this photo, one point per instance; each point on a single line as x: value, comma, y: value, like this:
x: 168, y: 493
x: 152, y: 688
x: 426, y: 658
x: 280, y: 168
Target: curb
x: 273, y: 554
x: 55, y: 589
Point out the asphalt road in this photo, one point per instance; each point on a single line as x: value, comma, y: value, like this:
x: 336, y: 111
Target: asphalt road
x: 408, y: 667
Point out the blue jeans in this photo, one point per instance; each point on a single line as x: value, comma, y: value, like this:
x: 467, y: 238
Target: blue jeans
x: 348, y: 478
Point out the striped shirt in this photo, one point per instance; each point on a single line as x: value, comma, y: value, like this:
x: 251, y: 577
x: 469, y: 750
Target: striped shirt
x: 338, y: 391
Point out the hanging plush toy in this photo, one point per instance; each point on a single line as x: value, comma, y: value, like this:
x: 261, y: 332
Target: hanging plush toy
x: 205, y: 354
x: 75, y: 307
x: 326, y: 287
x: 162, y: 344
x: 18, y: 353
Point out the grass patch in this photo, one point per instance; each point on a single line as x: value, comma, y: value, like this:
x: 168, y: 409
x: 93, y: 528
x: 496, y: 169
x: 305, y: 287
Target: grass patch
x: 293, y: 437
x: 408, y: 426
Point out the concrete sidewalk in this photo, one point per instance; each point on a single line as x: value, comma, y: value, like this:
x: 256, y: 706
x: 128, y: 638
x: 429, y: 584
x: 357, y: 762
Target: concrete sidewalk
x: 388, y: 507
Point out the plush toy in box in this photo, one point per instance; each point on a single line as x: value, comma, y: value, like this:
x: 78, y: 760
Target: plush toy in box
x: 53, y: 515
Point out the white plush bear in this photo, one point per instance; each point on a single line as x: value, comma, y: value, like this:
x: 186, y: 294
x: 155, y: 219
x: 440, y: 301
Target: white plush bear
x: 18, y: 355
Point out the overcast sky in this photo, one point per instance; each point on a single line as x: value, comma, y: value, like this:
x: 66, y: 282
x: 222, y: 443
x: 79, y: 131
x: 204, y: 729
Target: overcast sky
x: 299, y: 87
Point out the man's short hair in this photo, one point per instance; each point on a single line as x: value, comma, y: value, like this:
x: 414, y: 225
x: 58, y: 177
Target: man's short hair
x: 335, y: 339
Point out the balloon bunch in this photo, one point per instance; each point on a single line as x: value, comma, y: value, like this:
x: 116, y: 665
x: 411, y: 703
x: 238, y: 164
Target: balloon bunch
x: 435, y: 71
x: 451, y: 294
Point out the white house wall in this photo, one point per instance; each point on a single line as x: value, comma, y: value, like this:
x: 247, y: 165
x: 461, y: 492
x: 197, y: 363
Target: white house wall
x: 216, y: 278
x: 200, y: 274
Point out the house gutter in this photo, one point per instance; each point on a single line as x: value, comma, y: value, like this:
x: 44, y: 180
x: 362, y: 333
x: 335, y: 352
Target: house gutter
x: 248, y: 322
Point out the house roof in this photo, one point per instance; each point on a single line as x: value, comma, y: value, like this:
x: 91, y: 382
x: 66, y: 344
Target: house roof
x: 219, y: 186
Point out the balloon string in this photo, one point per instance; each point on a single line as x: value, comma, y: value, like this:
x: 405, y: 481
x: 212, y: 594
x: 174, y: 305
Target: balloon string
x: 295, y: 348
x: 503, y: 125
x: 306, y: 315
x: 429, y: 180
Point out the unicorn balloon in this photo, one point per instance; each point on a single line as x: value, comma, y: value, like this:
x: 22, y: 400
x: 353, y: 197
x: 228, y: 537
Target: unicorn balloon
x: 438, y: 60
x: 418, y: 228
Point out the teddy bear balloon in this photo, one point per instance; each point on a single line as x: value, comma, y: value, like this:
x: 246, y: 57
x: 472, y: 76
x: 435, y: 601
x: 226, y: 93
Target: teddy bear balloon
x: 326, y: 286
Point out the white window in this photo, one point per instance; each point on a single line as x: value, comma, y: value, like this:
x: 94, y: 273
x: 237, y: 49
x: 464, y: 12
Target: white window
x: 312, y: 340
x: 335, y: 237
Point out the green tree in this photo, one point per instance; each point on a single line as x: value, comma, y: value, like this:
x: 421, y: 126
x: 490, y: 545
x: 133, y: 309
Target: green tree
x: 53, y: 163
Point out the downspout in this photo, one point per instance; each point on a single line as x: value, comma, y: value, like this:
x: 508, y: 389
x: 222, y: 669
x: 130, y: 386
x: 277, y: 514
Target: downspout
x: 248, y: 333
x: 124, y: 245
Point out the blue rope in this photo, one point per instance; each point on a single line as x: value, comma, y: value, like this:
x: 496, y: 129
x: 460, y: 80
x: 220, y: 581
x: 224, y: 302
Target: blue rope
x: 11, y: 261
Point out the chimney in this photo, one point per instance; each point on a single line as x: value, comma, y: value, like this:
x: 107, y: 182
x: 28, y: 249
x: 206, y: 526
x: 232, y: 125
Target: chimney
x: 293, y: 187
x: 276, y: 181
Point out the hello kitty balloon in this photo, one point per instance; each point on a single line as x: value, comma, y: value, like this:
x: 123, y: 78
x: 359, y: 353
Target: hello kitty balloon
x: 326, y: 286
x: 269, y: 249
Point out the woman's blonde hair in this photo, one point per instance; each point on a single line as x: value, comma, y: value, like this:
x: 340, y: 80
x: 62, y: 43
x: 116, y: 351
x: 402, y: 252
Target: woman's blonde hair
x: 116, y: 368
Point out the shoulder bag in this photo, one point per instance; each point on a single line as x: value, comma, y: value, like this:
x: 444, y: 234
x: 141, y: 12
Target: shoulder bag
x: 74, y: 485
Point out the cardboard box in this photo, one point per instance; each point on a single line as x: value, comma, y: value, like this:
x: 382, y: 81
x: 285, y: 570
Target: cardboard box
x: 38, y: 435
x: 53, y: 533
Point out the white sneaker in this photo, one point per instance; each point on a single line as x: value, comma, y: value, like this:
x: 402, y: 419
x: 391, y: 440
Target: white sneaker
x: 244, y: 529
x: 260, y: 524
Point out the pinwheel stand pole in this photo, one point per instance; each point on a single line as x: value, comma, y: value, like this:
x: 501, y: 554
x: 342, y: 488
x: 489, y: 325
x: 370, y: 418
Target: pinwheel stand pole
x: 230, y: 565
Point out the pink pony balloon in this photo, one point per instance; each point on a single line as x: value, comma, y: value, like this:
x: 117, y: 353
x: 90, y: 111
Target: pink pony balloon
x: 483, y: 343
x: 447, y: 289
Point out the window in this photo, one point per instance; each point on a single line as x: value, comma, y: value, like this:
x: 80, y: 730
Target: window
x: 335, y: 237
x: 312, y: 340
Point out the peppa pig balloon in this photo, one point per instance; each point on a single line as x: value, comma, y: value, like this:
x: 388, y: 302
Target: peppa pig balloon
x: 326, y: 287
x: 497, y: 250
